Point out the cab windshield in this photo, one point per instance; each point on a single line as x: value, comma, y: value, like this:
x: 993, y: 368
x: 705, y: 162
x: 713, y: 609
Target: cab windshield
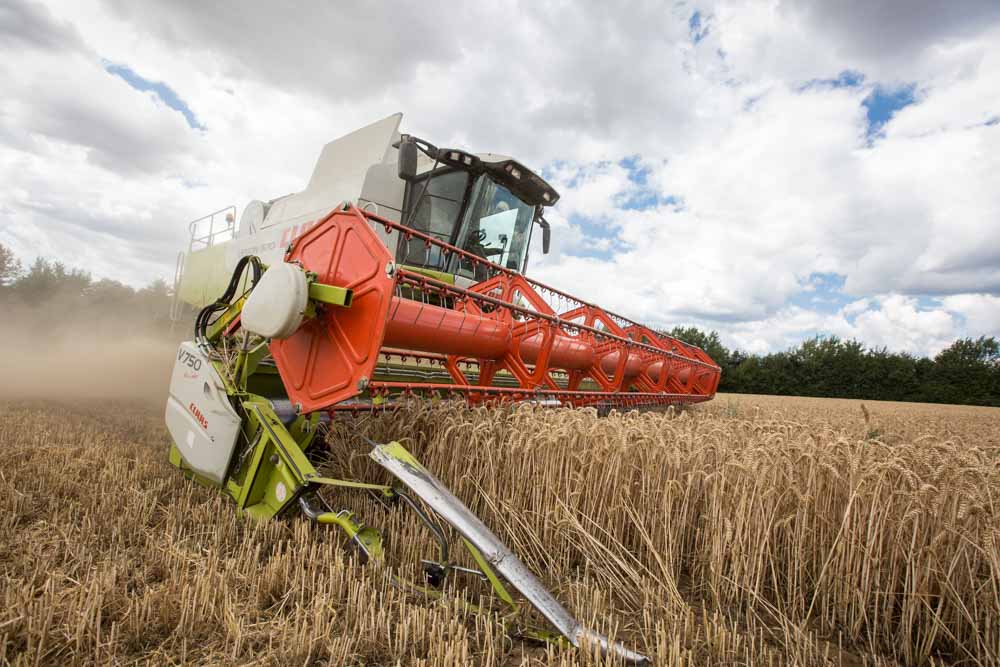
x: 496, y: 225
x: 481, y: 217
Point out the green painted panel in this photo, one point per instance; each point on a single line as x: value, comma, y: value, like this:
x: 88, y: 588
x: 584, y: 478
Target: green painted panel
x: 205, y: 276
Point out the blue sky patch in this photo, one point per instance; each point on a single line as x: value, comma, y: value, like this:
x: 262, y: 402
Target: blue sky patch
x: 637, y: 172
x: 600, y: 238
x: 698, y: 28
x: 883, y: 103
x: 925, y: 302
x: 846, y: 79
x: 643, y: 196
x: 552, y: 170
x: 750, y: 102
x: 162, y: 90
x: 821, y: 292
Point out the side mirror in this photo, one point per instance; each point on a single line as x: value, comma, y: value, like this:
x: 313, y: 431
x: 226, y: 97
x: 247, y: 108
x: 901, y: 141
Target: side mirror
x: 546, y: 234
x: 407, y: 161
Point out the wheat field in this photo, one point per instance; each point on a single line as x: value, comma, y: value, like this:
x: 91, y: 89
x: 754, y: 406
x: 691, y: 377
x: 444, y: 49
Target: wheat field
x: 751, y: 530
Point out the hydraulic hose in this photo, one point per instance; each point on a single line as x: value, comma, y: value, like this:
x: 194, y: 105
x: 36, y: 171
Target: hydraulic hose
x: 203, y: 320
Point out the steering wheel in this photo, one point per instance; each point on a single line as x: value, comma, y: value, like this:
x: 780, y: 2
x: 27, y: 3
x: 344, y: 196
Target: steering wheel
x: 476, y: 244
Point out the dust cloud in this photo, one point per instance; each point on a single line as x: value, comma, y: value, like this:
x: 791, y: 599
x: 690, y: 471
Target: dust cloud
x: 45, y: 354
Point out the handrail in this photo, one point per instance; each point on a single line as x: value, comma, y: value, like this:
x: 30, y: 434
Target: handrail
x: 208, y: 239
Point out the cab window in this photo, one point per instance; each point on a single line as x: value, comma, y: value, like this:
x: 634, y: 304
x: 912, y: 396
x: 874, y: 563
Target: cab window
x: 436, y: 216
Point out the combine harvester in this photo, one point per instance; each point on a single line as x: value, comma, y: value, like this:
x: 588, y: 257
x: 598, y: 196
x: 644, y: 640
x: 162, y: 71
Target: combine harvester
x: 398, y: 271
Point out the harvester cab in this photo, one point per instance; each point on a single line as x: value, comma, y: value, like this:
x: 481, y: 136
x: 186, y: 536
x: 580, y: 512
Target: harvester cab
x: 397, y: 273
x: 485, y: 203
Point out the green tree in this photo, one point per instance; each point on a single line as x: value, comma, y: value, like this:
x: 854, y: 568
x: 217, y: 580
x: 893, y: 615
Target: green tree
x: 153, y: 303
x: 709, y: 342
x: 45, y: 280
x: 891, y: 376
x: 829, y: 366
x: 968, y: 372
x: 10, y: 266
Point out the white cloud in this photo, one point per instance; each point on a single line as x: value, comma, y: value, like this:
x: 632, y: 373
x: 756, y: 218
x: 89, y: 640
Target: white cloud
x: 855, y: 307
x: 899, y: 324
x: 888, y: 40
x: 981, y: 312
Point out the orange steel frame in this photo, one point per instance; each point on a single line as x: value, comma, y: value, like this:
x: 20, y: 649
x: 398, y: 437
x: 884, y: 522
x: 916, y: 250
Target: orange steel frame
x: 505, y: 323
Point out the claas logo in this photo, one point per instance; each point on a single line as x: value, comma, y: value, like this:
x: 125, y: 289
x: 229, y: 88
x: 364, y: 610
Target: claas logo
x: 197, y: 415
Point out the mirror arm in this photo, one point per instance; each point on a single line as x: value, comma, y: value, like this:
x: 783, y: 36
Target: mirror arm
x: 426, y: 147
x: 546, y: 233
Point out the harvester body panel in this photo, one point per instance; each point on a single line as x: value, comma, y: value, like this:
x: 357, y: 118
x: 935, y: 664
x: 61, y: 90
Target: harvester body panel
x: 200, y: 417
x: 356, y: 167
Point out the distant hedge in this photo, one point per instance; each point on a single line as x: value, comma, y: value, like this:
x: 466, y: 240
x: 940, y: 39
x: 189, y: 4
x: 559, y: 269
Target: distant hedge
x: 967, y: 372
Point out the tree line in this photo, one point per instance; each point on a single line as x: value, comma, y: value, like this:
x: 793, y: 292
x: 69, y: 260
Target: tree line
x: 47, y: 298
x: 48, y: 295
x: 967, y: 372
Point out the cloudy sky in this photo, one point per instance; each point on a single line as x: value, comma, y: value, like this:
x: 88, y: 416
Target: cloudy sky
x: 768, y: 169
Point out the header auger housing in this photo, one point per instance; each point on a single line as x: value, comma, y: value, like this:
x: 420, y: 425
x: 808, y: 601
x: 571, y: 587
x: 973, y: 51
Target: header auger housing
x: 498, y: 340
x: 340, y: 322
